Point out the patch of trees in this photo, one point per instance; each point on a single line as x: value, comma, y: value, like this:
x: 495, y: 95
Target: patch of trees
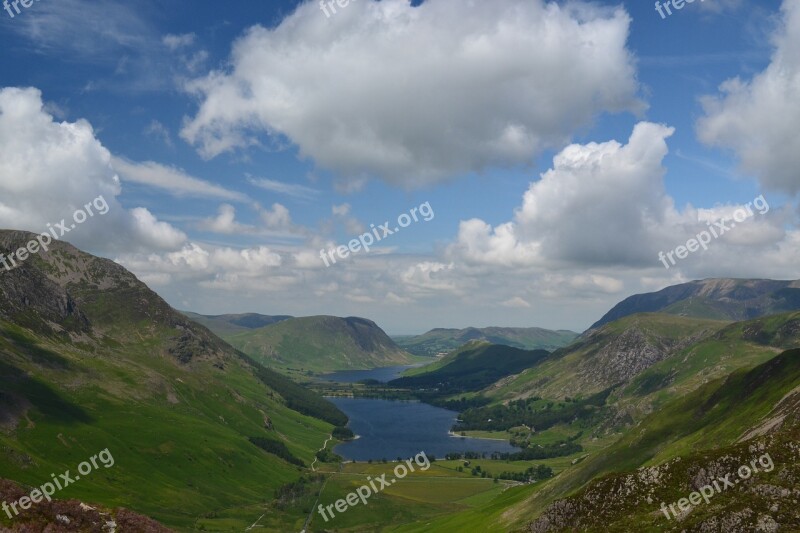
x: 291, y: 494
x: 327, y: 456
x: 278, y: 448
x: 539, y: 452
x: 474, y: 370
x: 343, y: 433
x: 534, y: 473
x: 297, y: 398
x: 528, y: 413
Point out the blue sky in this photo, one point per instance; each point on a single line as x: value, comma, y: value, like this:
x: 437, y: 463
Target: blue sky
x: 305, y: 129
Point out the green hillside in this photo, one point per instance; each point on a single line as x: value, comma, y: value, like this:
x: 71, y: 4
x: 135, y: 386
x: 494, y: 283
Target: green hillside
x: 91, y: 359
x: 438, y: 341
x: 471, y: 368
x: 693, y: 440
x: 321, y: 344
x: 611, y: 355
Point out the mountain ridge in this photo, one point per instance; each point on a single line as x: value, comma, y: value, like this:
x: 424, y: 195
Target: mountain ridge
x: 321, y: 343
x: 716, y: 298
x: 441, y: 340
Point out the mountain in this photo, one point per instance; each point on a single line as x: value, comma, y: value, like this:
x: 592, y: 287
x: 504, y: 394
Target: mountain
x: 750, y: 419
x: 227, y: 324
x: 719, y: 299
x: 613, y: 354
x: 91, y: 359
x: 471, y: 368
x: 321, y: 344
x: 442, y: 340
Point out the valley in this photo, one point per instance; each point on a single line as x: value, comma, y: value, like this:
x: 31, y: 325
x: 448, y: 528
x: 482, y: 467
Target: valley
x: 257, y: 435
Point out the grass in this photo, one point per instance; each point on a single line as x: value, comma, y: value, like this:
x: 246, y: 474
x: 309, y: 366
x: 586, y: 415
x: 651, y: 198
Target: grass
x: 178, y: 438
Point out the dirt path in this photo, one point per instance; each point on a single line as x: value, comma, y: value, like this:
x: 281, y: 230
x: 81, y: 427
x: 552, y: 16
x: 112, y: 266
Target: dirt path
x: 330, y: 437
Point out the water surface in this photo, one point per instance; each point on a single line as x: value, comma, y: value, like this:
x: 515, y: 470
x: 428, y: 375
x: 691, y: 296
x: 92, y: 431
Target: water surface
x: 383, y: 374
x: 390, y: 429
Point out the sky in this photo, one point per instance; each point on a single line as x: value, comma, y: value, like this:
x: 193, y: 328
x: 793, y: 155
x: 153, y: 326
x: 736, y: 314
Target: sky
x: 546, y: 159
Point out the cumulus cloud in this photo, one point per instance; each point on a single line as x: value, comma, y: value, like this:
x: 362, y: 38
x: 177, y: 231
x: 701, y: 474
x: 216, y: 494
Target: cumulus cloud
x: 414, y: 95
x: 225, y: 222
x: 50, y: 169
x: 603, y: 205
x: 758, y: 118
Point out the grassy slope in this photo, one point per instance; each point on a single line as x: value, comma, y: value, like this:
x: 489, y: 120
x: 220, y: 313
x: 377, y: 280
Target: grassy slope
x: 177, y: 430
x: 472, y: 367
x: 571, y: 372
x: 445, y: 340
x: 700, y: 428
x: 321, y: 344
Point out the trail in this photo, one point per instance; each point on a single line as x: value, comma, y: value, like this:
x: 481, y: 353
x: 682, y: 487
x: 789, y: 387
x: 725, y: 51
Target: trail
x: 321, y: 490
x: 256, y: 522
x: 330, y: 437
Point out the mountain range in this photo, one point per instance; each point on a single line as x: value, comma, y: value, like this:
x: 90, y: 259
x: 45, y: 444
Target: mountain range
x: 666, y: 393
x: 442, y: 340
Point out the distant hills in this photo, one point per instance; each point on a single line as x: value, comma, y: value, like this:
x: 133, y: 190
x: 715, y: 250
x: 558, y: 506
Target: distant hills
x: 443, y: 340
x: 228, y: 324
x: 313, y: 344
x: 91, y: 358
x: 719, y: 299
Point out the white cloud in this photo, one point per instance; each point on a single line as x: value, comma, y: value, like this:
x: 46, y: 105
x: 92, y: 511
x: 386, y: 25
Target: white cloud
x: 516, y: 303
x: 432, y: 91
x: 604, y: 205
x: 341, y: 215
x: 289, y: 189
x: 600, y: 204
x: 171, y: 179
x: 154, y: 233
x: 160, y: 131
x: 176, y: 42
x: 98, y: 31
x: 50, y: 169
x: 225, y: 222
x: 277, y: 218
x: 757, y: 119
x: 341, y: 210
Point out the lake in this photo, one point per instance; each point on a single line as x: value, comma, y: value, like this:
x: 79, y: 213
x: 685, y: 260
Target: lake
x: 391, y: 428
x: 383, y: 374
